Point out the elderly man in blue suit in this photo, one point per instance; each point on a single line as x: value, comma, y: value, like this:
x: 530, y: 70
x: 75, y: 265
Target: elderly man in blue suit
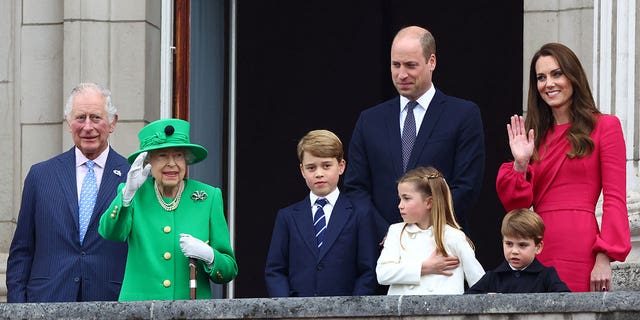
x: 421, y: 127
x: 57, y: 254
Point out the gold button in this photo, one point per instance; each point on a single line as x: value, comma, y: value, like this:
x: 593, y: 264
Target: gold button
x: 166, y: 283
x: 115, y: 208
x: 113, y: 216
x: 167, y: 229
x: 167, y: 255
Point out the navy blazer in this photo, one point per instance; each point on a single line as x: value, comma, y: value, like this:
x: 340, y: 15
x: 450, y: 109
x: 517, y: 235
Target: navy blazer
x: 450, y: 138
x: 46, y: 261
x: 343, y: 266
x: 535, y: 278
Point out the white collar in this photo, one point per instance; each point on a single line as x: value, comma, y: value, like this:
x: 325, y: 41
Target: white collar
x: 331, y: 197
x: 101, y: 160
x: 413, y: 228
x: 424, y: 100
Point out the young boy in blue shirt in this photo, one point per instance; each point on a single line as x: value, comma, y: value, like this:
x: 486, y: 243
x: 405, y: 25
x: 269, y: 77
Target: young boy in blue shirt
x: 323, y: 245
x: 522, y: 232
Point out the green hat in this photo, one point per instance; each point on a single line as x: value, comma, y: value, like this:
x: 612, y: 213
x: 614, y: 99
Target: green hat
x: 168, y: 133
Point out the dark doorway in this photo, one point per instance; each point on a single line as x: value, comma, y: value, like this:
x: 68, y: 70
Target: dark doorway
x: 305, y: 65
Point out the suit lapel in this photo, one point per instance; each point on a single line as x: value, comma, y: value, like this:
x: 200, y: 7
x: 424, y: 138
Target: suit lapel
x: 303, y: 218
x: 393, y: 138
x: 431, y: 118
x: 66, y: 175
x: 340, y: 214
x: 109, y: 183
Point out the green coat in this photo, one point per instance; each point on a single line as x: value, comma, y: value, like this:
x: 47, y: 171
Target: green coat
x: 156, y: 268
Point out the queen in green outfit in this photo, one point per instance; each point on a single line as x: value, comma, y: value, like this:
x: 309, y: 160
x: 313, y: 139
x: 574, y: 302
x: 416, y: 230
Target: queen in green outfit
x: 167, y: 219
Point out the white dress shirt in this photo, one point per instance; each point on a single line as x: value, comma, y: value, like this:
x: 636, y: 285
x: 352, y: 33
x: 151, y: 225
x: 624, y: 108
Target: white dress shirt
x: 82, y: 169
x: 328, y: 208
x: 419, y: 111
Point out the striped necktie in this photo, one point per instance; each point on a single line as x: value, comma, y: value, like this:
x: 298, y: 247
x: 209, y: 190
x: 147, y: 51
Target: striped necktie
x: 319, y: 221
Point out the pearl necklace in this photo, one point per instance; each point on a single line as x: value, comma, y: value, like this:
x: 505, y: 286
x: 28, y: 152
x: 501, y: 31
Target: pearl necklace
x: 173, y: 205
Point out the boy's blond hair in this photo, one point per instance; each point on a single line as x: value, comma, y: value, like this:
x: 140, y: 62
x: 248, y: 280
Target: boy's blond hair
x: 523, y: 223
x: 321, y: 143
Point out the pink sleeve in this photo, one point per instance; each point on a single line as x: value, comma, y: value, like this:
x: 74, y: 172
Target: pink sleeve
x: 614, y: 238
x: 514, y: 190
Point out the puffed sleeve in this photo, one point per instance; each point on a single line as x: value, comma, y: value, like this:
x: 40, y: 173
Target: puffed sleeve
x: 514, y: 188
x: 614, y: 238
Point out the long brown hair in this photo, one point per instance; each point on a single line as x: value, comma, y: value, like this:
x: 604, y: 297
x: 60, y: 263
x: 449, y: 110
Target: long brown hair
x: 581, y: 111
x: 431, y: 182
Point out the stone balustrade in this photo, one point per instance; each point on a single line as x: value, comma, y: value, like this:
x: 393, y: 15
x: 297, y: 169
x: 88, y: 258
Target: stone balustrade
x: 620, y: 305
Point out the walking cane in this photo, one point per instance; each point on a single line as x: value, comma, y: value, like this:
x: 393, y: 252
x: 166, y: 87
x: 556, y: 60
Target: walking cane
x: 193, y: 272
x: 192, y: 278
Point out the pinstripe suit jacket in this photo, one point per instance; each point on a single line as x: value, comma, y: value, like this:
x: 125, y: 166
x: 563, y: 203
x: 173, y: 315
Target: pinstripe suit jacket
x: 46, y: 261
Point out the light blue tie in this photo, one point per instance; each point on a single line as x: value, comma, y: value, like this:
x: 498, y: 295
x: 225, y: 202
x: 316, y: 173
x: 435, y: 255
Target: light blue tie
x: 319, y: 221
x: 88, y: 195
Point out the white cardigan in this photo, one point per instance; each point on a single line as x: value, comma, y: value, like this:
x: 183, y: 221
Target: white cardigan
x: 400, y: 267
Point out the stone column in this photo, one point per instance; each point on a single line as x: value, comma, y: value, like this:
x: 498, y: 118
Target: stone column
x: 32, y: 37
x: 9, y: 125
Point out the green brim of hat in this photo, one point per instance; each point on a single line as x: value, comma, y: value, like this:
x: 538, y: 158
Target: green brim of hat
x: 168, y: 133
x: 199, y: 152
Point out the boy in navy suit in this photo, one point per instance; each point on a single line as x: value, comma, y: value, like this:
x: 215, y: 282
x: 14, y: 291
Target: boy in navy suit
x: 324, y: 245
x: 522, y: 231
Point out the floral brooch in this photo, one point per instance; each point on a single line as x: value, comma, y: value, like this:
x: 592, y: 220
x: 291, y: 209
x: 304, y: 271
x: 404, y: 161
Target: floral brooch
x: 199, y: 195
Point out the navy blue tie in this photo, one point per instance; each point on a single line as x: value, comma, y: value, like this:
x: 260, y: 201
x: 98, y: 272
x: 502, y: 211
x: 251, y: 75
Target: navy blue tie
x: 408, y: 134
x: 319, y: 221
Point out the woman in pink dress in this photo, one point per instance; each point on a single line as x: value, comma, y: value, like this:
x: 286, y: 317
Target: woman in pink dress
x: 565, y: 154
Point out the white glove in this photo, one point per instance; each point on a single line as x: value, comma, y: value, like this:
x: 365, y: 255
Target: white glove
x: 135, y: 178
x: 195, y: 248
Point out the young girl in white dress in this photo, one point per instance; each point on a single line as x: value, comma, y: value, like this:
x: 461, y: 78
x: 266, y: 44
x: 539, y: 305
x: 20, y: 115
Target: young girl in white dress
x: 429, y: 231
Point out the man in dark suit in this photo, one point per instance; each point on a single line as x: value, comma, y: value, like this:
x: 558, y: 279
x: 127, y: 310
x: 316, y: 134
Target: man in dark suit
x: 323, y: 245
x: 57, y: 255
x: 445, y: 133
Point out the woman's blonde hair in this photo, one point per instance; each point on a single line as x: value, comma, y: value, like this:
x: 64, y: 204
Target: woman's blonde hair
x: 431, y: 182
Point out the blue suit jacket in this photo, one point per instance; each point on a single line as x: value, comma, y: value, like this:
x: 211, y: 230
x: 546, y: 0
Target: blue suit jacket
x: 46, y: 261
x: 343, y: 266
x: 450, y: 139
